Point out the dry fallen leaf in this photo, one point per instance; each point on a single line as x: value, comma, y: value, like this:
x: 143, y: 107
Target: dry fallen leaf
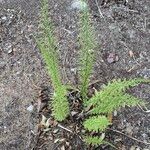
x: 73, y: 113
x: 42, y: 100
x: 112, y: 58
x: 41, y: 105
x: 131, y: 54
x: 43, y: 121
x: 47, y: 124
x: 115, y: 113
x: 56, y: 131
x: 53, y: 122
x: 56, y: 140
x: 102, y: 136
x: 63, y: 147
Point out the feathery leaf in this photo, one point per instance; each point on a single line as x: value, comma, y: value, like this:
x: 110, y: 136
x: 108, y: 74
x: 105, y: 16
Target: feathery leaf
x: 93, y: 140
x: 96, y: 123
x: 88, y: 44
x: 113, y: 96
x: 48, y: 47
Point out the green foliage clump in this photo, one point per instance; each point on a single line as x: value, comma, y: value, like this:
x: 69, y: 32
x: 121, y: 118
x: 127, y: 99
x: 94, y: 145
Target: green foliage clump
x: 94, y: 140
x: 114, y: 96
x: 96, y: 123
x: 110, y: 98
x: 47, y: 45
x: 88, y: 44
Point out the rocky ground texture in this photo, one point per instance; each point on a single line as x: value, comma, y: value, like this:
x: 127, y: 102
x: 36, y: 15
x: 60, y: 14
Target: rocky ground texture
x: 123, y: 33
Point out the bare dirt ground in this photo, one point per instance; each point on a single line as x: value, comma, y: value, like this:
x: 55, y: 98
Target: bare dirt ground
x: 123, y: 31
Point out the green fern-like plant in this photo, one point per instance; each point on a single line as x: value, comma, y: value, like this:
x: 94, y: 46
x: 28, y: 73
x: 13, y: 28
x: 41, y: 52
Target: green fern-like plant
x: 47, y: 45
x: 87, y: 55
x: 112, y: 97
x: 96, y: 123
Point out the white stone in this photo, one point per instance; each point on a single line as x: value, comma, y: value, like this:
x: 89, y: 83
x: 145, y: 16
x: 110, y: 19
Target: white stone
x: 115, y: 113
x: 4, y: 18
x: 79, y: 5
x: 30, y: 108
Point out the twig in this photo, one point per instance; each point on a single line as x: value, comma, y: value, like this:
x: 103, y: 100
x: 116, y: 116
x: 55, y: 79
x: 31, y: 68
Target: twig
x: 60, y: 126
x: 95, y: 82
x: 146, y: 143
x: 146, y: 111
x: 68, y: 31
x: 100, y: 12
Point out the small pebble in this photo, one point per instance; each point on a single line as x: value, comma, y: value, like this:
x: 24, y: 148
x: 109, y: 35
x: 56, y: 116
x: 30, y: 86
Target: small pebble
x: 62, y: 148
x: 132, y: 148
x: 56, y: 140
x: 112, y: 58
x: 56, y: 131
x: 30, y: 108
x: 129, y: 129
x: 4, y: 18
x: 83, y: 131
x: 79, y: 5
x: 10, y: 51
x: 5, y: 129
x: 73, y: 113
x: 131, y: 54
x: 73, y: 70
x: 115, y: 113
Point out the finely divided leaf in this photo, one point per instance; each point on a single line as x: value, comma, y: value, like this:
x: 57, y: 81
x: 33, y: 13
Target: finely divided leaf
x: 113, y: 96
x: 93, y: 140
x: 88, y: 44
x: 48, y: 47
x: 96, y: 123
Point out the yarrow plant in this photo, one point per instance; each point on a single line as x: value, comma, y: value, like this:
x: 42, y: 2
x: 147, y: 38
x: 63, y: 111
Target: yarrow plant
x: 87, y: 55
x: 110, y: 98
x: 47, y: 45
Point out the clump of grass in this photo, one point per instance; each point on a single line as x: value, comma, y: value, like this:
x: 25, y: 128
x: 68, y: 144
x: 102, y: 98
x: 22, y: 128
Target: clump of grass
x: 48, y: 47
